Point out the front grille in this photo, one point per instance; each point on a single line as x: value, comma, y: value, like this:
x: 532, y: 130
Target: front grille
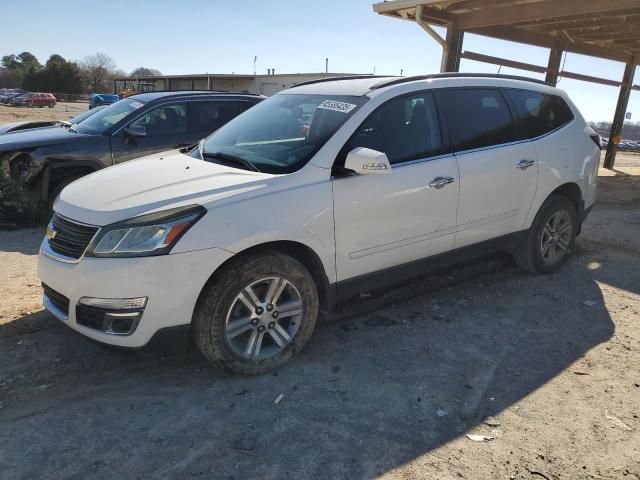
x: 57, y: 299
x: 70, y: 239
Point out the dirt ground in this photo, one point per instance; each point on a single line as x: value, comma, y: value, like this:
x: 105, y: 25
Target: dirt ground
x: 389, y: 387
x: 62, y: 111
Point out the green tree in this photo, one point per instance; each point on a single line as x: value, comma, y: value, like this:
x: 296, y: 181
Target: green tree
x: 16, y: 67
x: 145, y: 72
x: 58, y: 76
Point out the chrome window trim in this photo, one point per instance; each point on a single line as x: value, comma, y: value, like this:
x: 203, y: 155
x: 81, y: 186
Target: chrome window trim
x: 550, y: 132
x: 420, y: 160
x: 490, y: 147
x: 516, y: 142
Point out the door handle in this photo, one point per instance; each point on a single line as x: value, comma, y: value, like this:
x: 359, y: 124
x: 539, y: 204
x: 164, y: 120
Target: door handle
x: 440, y: 182
x: 524, y: 164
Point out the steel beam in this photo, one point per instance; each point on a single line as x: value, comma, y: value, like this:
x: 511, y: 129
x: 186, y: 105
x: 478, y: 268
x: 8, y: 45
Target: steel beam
x: 479, y: 57
x: 566, y: 9
x: 427, y: 28
x: 621, y: 109
x: 452, y: 49
x: 582, y: 24
x: 553, y: 66
x: 541, y: 39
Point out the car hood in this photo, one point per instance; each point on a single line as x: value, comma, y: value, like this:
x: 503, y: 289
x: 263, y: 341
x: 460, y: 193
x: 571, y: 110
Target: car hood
x: 38, y: 137
x: 154, y: 183
x: 10, y: 126
x: 4, y: 128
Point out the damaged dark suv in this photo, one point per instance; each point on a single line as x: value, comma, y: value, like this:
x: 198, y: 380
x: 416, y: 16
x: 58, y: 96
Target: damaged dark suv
x: 35, y: 165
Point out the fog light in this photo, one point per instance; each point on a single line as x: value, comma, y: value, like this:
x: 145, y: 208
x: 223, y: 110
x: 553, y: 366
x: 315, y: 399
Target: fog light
x: 115, y: 316
x: 114, y: 303
x: 121, y: 323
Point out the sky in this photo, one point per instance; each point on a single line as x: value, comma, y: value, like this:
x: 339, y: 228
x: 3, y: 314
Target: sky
x: 223, y: 36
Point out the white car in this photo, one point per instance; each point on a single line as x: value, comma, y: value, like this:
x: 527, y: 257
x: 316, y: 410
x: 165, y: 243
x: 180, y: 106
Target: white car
x: 327, y: 189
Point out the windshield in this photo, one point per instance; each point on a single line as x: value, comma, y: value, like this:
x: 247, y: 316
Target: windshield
x: 281, y: 134
x: 83, y: 116
x: 107, y: 118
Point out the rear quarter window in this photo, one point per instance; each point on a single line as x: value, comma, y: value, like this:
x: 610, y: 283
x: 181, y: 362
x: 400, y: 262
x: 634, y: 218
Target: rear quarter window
x: 538, y: 113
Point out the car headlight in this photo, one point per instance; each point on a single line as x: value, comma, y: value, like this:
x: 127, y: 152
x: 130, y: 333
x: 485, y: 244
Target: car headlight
x: 147, y: 235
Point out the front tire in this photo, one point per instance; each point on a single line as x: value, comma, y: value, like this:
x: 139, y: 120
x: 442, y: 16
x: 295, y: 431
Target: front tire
x: 55, y: 191
x: 257, y: 313
x: 551, y: 238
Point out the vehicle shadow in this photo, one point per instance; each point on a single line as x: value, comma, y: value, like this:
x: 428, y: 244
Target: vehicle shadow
x: 399, y: 375
x: 25, y: 241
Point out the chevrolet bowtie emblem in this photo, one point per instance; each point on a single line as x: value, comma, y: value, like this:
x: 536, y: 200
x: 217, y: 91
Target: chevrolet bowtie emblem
x: 51, y: 232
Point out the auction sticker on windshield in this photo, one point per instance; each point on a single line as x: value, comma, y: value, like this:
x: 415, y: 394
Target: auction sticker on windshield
x: 337, y: 106
x: 136, y: 104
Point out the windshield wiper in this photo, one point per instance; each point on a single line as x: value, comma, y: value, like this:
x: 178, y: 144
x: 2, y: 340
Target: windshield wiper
x: 73, y: 128
x: 233, y: 159
x: 201, y: 148
x: 188, y: 148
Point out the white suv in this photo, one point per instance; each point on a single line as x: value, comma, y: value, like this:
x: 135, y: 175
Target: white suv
x: 324, y: 190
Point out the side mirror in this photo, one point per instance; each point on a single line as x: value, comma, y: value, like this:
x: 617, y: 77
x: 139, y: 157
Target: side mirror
x: 365, y: 161
x: 135, y: 131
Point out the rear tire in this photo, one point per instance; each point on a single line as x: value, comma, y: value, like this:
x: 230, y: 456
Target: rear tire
x: 551, y: 238
x: 257, y: 313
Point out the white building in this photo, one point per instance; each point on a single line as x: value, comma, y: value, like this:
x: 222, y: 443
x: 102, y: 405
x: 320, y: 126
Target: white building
x: 260, y: 84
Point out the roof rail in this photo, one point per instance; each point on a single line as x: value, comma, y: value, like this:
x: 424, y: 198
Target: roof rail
x: 396, y: 81
x: 186, y: 92
x: 346, y: 77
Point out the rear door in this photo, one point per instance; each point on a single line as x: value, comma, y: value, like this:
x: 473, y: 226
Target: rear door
x: 383, y: 221
x: 498, y: 172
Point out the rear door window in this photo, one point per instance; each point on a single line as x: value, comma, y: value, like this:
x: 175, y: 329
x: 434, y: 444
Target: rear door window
x: 477, y: 118
x: 405, y: 128
x: 539, y: 113
x: 206, y: 117
x: 164, y: 120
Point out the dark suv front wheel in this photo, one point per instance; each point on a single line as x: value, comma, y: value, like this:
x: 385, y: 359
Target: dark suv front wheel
x: 551, y: 238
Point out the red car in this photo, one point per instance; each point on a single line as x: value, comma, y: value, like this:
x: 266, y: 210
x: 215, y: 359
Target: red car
x: 29, y: 99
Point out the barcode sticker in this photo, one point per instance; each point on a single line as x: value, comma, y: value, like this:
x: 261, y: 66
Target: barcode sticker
x: 337, y: 106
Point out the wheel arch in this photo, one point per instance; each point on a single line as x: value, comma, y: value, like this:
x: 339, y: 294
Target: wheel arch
x: 58, y: 171
x: 570, y: 190
x: 573, y: 192
x: 301, y: 252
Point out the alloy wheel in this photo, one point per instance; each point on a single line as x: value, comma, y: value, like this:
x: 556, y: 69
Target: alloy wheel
x: 264, y: 318
x: 556, y: 237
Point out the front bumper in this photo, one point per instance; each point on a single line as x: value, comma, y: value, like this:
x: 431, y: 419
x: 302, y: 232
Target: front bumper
x: 171, y: 283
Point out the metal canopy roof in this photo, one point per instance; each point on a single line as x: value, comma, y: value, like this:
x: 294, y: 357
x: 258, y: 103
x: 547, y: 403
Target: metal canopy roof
x: 602, y: 28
